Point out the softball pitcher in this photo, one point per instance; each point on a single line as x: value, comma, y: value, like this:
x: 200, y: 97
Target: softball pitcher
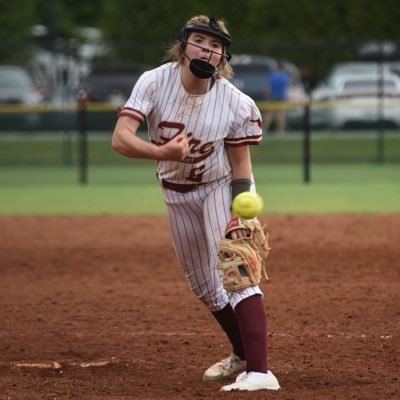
x: 199, y: 128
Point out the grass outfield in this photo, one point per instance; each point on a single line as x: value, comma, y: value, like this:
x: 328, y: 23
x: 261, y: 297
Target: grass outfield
x: 133, y: 190
x: 56, y: 149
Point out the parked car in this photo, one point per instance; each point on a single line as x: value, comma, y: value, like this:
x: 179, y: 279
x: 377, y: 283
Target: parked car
x: 360, y: 99
x: 340, y: 70
x: 250, y: 73
x: 18, y: 88
x: 112, y: 84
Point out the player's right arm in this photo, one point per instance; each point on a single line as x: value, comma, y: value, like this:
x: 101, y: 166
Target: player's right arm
x: 126, y: 142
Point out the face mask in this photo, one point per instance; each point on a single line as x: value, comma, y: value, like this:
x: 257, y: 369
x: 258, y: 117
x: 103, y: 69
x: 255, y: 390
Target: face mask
x: 202, y: 69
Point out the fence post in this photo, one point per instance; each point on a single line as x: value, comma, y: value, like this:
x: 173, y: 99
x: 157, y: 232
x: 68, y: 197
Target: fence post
x: 306, y: 143
x: 381, y: 105
x: 83, y: 150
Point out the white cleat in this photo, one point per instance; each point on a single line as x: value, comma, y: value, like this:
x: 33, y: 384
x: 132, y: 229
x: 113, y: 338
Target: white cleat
x: 224, y: 369
x: 253, y: 381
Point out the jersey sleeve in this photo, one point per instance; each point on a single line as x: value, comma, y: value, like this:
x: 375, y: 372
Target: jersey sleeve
x: 141, y: 101
x: 247, y: 129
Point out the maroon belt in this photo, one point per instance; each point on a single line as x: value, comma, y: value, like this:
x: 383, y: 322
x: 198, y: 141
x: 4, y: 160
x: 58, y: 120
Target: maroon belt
x: 178, y: 187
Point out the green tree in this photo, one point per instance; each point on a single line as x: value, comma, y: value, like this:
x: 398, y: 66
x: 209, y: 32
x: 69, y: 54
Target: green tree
x: 312, y: 33
x: 16, y: 19
x: 140, y: 29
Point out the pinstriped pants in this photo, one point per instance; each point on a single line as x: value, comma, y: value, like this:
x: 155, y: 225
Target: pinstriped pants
x: 197, y: 221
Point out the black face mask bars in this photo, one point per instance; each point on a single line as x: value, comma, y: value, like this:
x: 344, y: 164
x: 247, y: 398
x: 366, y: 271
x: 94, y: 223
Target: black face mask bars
x: 201, y: 68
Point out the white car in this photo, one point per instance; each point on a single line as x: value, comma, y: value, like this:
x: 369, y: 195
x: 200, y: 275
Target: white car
x: 357, y: 100
x: 18, y: 90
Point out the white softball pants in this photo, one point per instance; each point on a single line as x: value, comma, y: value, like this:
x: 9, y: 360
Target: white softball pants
x: 197, y: 221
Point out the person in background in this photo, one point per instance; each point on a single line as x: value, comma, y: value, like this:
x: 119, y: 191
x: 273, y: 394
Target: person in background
x: 277, y: 85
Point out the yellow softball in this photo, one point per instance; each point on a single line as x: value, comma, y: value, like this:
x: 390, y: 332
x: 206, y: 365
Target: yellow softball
x: 247, y: 205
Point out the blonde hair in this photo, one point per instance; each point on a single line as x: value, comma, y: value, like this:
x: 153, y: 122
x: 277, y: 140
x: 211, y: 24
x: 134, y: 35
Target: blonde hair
x: 175, y: 52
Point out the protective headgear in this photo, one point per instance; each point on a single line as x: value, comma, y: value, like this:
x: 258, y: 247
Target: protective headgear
x: 200, y: 68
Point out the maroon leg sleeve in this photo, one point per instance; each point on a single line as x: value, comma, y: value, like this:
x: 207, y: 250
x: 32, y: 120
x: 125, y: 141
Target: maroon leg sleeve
x: 228, y: 321
x: 252, y: 319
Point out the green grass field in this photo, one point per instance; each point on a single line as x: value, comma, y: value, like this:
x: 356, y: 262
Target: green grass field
x: 327, y: 148
x: 39, y: 176
x: 133, y: 190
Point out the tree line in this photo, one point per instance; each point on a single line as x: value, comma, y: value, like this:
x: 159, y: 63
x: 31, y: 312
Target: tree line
x: 141, y: 30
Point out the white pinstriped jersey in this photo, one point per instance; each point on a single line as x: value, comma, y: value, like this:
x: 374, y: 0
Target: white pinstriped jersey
x: 222, y: 116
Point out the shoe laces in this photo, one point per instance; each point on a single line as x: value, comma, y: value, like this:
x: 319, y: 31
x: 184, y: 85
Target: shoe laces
x: 241, y: 377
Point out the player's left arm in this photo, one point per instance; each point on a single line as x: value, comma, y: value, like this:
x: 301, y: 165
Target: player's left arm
x: 240, y: 161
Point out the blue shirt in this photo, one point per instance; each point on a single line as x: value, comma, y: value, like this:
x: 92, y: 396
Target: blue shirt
x: 278, y: 82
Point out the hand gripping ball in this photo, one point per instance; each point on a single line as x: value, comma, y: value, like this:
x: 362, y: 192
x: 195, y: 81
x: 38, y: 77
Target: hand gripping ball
x: 247, y: 205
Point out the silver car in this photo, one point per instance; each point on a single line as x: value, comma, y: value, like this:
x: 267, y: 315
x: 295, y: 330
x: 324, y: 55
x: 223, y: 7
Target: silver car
x: 360, y: 99
x: 19, y: 93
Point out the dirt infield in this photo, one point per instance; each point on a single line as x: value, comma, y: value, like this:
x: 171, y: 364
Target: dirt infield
x: 97, y: 308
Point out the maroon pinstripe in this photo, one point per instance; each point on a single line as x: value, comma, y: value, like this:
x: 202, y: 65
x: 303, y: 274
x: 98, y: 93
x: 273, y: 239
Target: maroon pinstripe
x: 222, y: 117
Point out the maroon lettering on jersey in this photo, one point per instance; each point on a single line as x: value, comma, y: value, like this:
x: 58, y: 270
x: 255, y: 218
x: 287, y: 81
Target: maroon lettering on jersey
x: 198, y: 151
x: 170, y: 125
